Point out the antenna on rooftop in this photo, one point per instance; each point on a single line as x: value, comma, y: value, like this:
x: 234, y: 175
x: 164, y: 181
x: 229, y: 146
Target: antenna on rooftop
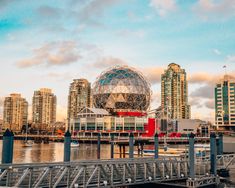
x: 225, y: 69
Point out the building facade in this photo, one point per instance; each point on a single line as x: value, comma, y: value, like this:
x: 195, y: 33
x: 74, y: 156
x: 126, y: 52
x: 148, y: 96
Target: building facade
x: 90, y: 121
x: 79, y: 98
x: 174, y: 93
x: 225, y: 103
x: 15, y: 112
x: 44, y: 107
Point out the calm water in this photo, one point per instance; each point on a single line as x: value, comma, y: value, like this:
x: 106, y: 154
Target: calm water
x: 53, y: 152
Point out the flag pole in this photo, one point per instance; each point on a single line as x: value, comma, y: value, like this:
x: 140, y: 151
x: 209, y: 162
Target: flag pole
x: 225, y: 69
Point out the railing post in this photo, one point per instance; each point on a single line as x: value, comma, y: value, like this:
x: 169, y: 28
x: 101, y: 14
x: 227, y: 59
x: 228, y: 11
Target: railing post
x: 220, y: 148
x: 213, y: 153
x: 67, y: 146
x: 191, y: 156
x: 156, y: 146
x: 98, y: 146
x: 7, y: 147
x: 131, y: 145
x: 112, y: 146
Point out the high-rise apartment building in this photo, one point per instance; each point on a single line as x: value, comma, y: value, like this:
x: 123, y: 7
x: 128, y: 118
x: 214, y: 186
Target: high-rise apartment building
x: 174, y: 92
x: 225, y: 102
x: 79, y: 97
x: 44, y: 107
x: 15, y: 112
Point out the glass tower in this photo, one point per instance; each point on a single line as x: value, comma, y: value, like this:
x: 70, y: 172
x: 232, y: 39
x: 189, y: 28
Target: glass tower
x: 79, y: 98
x: 15, y: 113
x: 174, y: 93
x: 225, y: 102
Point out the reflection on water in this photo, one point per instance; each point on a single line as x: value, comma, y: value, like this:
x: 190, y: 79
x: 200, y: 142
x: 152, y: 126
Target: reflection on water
x: 54, y: 152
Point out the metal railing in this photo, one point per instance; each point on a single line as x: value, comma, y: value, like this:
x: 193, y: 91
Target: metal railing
x: 94, y: 173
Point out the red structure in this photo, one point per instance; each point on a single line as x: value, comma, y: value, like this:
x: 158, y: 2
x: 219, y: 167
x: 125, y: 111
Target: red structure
x: 150, y: 128
x: 135, y: 114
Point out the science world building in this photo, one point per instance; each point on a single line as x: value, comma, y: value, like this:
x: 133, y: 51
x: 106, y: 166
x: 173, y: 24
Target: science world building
x: 121, y: 97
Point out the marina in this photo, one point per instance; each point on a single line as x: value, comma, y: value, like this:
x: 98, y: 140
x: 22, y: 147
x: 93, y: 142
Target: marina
x: 147, y: 169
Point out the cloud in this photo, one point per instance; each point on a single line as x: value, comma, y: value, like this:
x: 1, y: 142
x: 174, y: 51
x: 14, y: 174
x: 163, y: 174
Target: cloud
x: 54, y: 53
x: 163, y: 7
x: 155, y: 99
x: 95, y: 9
x: 4, y: 3
x: 215, y: 9
x: 61, y: 76
x: 106, y: 62
x: 153, y: 74
x: 195, y: 101
x: 49, y: 12
x: 210, y: 104
x: 129, y: 33
x: 231, y: 58
x: 1, y: 106
x: 206, y: 91
x: 201, y: 77
x: 1, y: 101
x: 217, y: 52
x: 61, y: 112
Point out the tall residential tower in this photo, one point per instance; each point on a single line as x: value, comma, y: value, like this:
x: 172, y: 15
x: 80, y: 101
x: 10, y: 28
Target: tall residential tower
x: 79, y: 97
x: 174, y: 92
x: 44, y: 107
x: 15, y: 113
x: 225, y: 103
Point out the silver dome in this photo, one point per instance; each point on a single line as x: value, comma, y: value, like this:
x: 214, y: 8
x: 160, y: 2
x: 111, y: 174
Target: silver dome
x: 121, y: 89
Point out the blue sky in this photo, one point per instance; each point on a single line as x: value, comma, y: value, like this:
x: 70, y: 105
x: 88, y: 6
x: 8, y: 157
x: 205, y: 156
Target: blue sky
x: 50, y: 43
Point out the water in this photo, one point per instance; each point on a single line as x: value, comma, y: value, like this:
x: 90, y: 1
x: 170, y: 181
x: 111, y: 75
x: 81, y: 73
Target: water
x: 54, y: 152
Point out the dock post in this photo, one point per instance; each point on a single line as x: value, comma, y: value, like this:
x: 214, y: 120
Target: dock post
x: 156, y: 146
x: 131, y: 145
x: 67, y: 146
x: 7, y: 147
x: 112, y: 146
x: 213, y: 153
x: 98, y: 146
x: 120, y: 151
x: 220, y: 148
x: 142, y: 149
x: 191, y: 156
x: 124, y: 151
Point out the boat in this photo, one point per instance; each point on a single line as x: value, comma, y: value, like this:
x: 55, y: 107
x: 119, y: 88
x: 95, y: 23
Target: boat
x: 27, y: 143
x: 160, y: 154
x: 74, y: 144
x: 168, y: 151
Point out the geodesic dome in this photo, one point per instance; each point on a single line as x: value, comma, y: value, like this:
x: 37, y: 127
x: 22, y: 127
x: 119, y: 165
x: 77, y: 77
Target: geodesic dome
x: 121, y: 89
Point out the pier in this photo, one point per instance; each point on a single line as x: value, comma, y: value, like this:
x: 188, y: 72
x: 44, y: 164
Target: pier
x: 107, y: 139
x: 185, y: 171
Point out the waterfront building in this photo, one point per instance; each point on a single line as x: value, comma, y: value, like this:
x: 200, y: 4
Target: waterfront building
x: 15, y: 112
x: 79, y: 98
x: 225, y: 103
x: 174, y: 93
x: 90, y: 121
x: 43, y: 108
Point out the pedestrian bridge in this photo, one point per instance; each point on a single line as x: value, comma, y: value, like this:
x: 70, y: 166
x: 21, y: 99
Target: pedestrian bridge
x: 98, y: 173
x: 223, y: 161
x: 94, y: 173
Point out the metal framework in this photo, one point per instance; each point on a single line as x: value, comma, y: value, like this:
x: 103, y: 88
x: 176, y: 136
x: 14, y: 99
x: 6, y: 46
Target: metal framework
x: 110, y: 173
x: 96, y: 173
x: 121, y: 88
x: 223, y: 161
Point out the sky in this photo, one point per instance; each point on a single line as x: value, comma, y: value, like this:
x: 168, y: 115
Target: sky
x: 50, y: 43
